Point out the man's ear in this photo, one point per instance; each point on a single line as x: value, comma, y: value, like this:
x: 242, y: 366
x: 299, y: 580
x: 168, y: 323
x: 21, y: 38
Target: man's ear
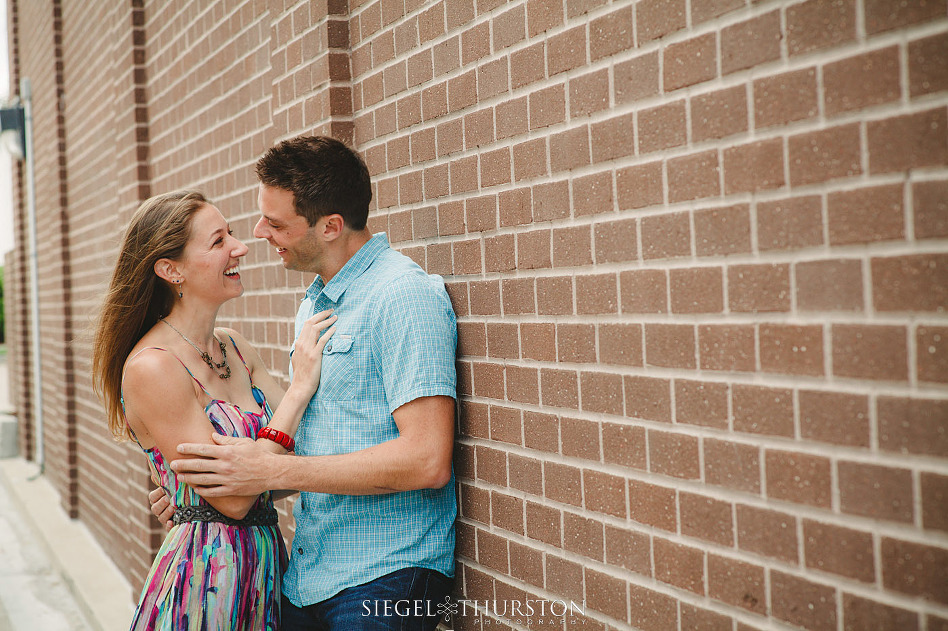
x: 332, y: 226
x: 167, y: 269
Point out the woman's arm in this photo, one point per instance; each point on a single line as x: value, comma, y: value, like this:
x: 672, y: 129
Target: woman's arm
x: 163, y: 408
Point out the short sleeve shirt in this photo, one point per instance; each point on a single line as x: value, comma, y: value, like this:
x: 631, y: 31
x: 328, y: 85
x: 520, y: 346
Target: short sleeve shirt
x: 395, y: 341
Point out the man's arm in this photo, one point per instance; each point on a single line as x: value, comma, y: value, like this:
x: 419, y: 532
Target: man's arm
x: 419, y: 458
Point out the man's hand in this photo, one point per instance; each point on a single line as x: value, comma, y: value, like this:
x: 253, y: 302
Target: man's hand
x: 234, y: 466
x: 161, y: 507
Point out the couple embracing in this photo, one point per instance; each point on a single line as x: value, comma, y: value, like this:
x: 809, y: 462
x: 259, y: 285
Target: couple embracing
x: 371, y: 406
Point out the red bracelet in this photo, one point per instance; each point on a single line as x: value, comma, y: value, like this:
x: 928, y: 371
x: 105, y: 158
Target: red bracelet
x: 282, y: 438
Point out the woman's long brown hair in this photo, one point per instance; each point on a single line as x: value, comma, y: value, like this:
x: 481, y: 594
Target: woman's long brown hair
x: 137, y: 297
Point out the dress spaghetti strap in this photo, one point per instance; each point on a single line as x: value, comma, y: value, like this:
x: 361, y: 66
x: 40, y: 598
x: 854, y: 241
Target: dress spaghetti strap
x: 158, y: 348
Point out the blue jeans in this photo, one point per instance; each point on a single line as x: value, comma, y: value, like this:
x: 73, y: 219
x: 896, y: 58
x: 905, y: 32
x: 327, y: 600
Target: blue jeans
x: 405, y: 600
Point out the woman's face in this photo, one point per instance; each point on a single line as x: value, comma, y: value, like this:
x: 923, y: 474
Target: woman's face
x: 209, y: 265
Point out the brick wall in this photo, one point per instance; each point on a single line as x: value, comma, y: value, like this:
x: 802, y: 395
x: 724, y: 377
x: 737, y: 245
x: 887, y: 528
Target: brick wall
x: 697, y: 249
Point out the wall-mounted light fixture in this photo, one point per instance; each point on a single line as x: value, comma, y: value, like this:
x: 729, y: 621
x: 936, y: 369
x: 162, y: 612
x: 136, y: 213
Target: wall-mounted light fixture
x: 13, y: 129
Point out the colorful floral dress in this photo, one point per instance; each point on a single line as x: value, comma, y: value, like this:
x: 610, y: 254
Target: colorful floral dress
x: 207, y: 575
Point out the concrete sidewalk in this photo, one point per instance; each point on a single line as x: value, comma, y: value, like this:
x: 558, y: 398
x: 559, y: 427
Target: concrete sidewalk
x: 54, y: 576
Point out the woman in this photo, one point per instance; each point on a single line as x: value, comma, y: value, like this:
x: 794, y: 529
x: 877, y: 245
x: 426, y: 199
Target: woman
x: 168, y: 375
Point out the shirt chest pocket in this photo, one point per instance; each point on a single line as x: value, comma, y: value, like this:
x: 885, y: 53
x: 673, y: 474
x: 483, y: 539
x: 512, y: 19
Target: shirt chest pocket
x: 337, y: 381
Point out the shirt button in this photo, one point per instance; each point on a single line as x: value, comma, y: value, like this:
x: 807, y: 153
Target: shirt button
x: 329, y: 347
x: 300, y: 550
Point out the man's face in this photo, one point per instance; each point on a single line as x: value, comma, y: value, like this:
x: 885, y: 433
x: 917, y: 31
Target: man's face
x: 295, y: 241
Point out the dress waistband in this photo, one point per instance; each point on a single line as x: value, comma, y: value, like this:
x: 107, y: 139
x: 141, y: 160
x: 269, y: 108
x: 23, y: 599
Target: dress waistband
x: 256, y: 517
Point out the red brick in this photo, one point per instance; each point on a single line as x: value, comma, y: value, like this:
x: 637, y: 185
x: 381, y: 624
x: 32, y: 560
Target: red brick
x: 825, y: 155
x: 653, y: 505
x: 629, y: 550
x: 540, y: 431
x: 915, y: 569
x: 495, y: 167
x: 562, y: 483
x: 615, y: 241
x: 870, y: 352
x: 657, y: 18
x: 529, y: 159
x: 522, y: 384
x: 679, y: 565
x: 690, y: 62
x: 554, y: 295
x: 509, y: 28
x: 567, y: 51
x: 518, y: 296
x: 839, y: 550
x: 662, y: 127
x: 910, y: 283
x: 502, y: 340
x: 931, y: 209
x: 636, y: 78
x: 737, y: 583
x: 866, y: 215
x: 463, y: 175
x: 511, y: 118
x: 697, y: 290
x: 934, y: 501
x: 666, y: 236
x: 472, y: 339
x: 620, y: 344
x: 674, y: 455
x: 492, y: 79
x: 653, y: 611
x: 931, y: 345
x: 547, y: 106
x: 613, y: 138
x: 802, y: 603
x: 570, y: 149
x: 592, y: 194
x: 572, y: 246
x: 791, y: 350
x: 485, y: 297
x: 543, y: 523
x: 670, y: 345
x: 611, y: 34
x: 907, y: 142
x: 640, y: 186
x: 706, y: 518
x: 601, y: 392
x: 862, y: 81
x: 754, y: 167
x: 789, y: 223
x: 875, y: 491
x: 543, y: 15
x: 759, y: 288
x: 526, y: 564
x: 785, y: 98
x: 718, y: 114
x: 819, y: 24
x: 475, y: 503
x: 694, y: 176
x: 647, y: 398
x: 883, y: 16
x: 701, y: 403
x: 533, y: 249
x: 732, y: 465
x: 526, y: 474
x: 833, y: 285
x: 507, y: 512
x: 589, y: 94
x: 583, y: 536
x: 564, y: 577
x: 751, y: 43
x: 722, y: 230
x: 537, y: 339
x: 491, y: 465
x: 768, y: 533
x: 644, y: 291
x: 913, y: 426
x: 835, y: 418
x: 606, y: 594
x: 481, y: 214
x: 762, y: 410
x: 864, y: 613
x: 596, y: 294
x: 550, y: 201
x: 505, y: 425
x: 605, y: 493
x: 624, y: 445
x: 799, y: 478
x: 928, y: 64
x: 576, y: 343
x: 710, y: 9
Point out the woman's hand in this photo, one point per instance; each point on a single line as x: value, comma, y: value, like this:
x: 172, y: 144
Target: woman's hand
x: 308, y: 350
x: 161, y: 507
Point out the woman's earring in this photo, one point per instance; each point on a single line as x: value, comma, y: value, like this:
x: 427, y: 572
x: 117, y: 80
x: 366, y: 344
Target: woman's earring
x: 180, y: 295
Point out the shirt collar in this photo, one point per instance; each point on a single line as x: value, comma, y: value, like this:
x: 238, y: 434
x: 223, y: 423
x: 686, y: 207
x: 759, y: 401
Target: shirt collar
x: 353, y: 268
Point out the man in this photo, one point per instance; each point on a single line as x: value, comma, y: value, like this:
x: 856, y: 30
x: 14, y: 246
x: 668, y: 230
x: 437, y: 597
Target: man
x: 374, y: 541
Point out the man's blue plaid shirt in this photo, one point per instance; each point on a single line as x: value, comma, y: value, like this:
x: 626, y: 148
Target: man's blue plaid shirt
x: 395, y: 341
